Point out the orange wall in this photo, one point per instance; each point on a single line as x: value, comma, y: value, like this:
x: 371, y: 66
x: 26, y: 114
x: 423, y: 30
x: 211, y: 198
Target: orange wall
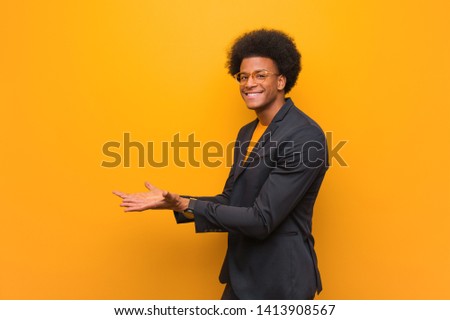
x: 77, y: 74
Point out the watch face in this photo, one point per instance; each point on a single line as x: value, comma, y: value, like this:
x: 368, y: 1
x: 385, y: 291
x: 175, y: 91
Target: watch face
x: 188, y: 215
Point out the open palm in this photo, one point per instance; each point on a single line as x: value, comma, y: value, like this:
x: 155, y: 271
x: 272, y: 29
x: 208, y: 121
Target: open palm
x: 154, y: 198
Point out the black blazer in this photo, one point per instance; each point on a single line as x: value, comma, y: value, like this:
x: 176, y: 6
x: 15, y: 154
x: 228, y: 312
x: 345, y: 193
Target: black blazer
x: 266, y: 207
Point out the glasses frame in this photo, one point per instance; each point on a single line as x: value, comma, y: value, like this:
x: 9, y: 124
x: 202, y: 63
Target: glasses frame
x: 253, y: 76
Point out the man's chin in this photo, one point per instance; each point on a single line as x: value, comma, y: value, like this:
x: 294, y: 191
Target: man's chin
x: 252, y: 106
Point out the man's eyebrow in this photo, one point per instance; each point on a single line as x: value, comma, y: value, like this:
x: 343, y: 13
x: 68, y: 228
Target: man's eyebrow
x: 257, y: 70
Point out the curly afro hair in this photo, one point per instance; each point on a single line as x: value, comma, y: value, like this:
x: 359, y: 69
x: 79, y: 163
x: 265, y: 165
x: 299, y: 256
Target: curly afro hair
x: 272, y: 44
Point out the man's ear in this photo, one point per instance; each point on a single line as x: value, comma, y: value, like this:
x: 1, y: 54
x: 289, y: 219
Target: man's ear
x: 281, y: 82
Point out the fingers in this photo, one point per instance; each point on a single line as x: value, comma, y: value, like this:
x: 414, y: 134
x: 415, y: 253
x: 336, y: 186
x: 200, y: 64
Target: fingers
x: 133, y: 206
x: 136, y: 199
x: 120, y: 194
x: 136, y: 203
x: 155, y: 199
x: 133, y: 209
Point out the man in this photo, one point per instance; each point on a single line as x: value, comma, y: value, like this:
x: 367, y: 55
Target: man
x: 267, y: 203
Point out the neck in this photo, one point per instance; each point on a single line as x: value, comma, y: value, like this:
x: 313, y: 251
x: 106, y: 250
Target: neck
x: 266, y: 115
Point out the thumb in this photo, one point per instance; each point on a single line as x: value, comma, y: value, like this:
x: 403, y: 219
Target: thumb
x: 168, y: 196
x: 148, y: 185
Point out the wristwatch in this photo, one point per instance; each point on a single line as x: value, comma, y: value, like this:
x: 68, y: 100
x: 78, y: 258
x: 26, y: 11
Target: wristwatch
x: 189, y: 212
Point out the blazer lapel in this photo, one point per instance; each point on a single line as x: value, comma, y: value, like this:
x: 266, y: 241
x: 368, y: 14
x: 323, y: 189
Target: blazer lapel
x: 259, y: 147
x: 243, y: 142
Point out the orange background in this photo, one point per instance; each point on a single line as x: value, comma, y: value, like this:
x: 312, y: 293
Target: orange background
x: 77, y: 74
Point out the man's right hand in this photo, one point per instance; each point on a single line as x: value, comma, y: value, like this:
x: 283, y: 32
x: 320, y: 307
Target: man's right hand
x: 155, y: 198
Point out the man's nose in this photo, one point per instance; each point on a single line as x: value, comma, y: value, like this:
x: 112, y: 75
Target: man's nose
x: 250, y: 82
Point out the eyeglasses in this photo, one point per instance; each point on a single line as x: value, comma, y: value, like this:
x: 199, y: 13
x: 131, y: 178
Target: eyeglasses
x: 258, y: 76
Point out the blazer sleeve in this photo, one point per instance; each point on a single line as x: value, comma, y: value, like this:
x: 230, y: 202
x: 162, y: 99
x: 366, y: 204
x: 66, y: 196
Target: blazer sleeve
x: 202, y: 224
x: 296, y: 169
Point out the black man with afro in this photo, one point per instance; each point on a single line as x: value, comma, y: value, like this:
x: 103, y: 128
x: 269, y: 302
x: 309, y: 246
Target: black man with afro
x: 266, y: 206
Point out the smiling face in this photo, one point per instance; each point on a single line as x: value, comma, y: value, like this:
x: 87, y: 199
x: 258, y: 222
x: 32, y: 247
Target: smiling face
x: 268, y: 94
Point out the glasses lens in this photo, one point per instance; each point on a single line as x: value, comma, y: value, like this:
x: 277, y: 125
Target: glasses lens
x: 260, y: 76
x: 242, y: 77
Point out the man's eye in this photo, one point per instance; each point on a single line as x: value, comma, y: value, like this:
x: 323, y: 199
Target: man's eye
x: 261, y: 76
x: 243, y: 77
